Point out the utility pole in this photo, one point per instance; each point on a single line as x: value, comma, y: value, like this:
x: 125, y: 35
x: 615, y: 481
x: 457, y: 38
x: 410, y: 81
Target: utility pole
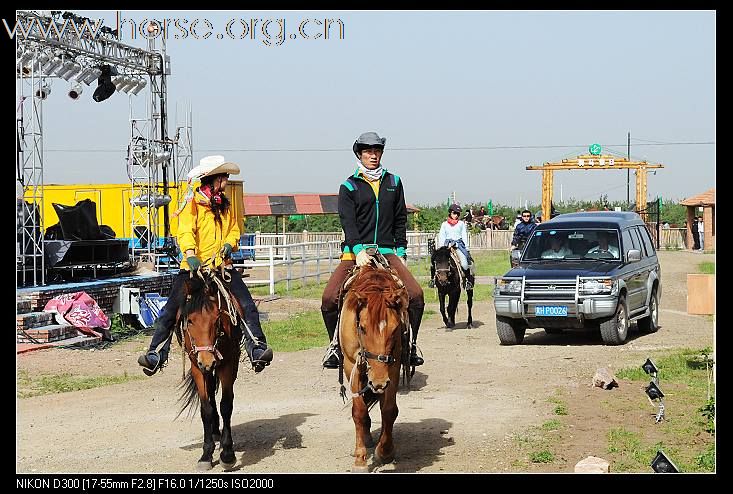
x: 628, y: 170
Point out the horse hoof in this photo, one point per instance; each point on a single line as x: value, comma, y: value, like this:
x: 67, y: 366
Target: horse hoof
x: 469, y: 326
x: 227, y: 466
x: 383, y: 460
x: 359, y: 469
x: 204, y: 466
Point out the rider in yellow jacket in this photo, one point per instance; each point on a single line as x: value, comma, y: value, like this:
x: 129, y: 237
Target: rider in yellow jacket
x: 207, y: 234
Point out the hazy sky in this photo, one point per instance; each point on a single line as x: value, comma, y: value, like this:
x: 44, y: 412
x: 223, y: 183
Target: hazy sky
x: 496, y: 90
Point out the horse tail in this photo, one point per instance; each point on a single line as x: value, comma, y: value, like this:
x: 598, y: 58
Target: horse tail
x: 189, y: 398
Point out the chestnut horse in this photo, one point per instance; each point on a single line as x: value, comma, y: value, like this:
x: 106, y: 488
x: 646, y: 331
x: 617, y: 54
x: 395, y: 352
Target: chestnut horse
x: 373, y: 336
x: 207, y: 329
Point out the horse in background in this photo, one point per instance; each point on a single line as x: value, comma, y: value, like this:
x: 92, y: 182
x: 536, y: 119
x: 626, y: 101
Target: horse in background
x: 374, y: 339
x: 448, y: 282
x: 208, y: 331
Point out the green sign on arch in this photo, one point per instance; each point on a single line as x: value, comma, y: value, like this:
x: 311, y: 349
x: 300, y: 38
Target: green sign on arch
x: 594, y: 149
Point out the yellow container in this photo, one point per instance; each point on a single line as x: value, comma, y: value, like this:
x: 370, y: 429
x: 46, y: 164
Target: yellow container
x: 114, y: 208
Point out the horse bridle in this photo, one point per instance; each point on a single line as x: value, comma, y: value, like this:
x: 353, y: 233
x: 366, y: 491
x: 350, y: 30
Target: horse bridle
x: 365, y: 355
x: 221, y: 291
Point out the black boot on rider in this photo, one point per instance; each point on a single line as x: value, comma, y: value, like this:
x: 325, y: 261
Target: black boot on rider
x: 415, y: 318
x: 330, y: 319
x: 431, y: 283
x: 156, y: 359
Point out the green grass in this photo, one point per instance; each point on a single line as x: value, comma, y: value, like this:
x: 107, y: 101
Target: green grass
x: 543, y: 456
x: 44, y: 384
x: 706, y: 267
x: 561, y: 408
x: 552, y: 425
x: 299, y: 332
x: 310, y: 289
x: 686, y: 378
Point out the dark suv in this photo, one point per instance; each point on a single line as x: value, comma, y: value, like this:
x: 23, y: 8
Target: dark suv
x: 592, y: 270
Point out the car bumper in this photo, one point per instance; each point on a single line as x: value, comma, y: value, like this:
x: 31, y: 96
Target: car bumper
x: 592, y: 307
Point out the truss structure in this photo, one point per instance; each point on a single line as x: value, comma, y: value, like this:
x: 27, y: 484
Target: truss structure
x: 46, y: 51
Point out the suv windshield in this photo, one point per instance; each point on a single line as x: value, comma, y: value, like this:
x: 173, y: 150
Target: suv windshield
x: 591, y: 243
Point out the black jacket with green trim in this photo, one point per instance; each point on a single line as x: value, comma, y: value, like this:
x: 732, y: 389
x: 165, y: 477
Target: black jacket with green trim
x: 367, y: 219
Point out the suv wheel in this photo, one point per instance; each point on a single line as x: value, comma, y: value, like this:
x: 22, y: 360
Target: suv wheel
x: 510, y: 331
x: 615, y: 329
x: 650, y: 324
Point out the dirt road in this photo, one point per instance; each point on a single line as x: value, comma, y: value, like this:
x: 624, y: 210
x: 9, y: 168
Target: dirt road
x: 458, y: 416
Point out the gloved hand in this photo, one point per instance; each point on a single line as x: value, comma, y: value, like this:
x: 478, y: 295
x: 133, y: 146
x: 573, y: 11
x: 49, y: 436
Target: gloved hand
x: 363, y: 258
x: 193, y: 263
x: 226, y: 251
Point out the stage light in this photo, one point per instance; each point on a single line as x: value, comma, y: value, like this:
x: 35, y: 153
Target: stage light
x: 52, y: 65
x: 105, y: 88
x: 43, y: 90
x: 92, y: 76
x: 161, y: 157
x: 141, y: 83
x: 156, y: 201
x: 662, y: 464
x: 653, y: 391
x: 42, y: 60
x: 649, y: 367
x: 75, y: 91
x: 25, y: 57
x: 83, y: 74
x: 73, y: 70
x: 128, y: 84
x: 64, y: 68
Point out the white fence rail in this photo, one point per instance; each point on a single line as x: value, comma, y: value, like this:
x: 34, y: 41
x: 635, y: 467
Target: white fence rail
x: 312, y: 256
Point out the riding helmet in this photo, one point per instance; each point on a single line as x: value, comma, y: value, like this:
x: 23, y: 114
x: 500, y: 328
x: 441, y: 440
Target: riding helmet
x: 368, y: 140
x: 454, y: 207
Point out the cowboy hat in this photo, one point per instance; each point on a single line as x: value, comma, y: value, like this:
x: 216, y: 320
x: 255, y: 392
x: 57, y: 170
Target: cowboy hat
x: 213, y: 165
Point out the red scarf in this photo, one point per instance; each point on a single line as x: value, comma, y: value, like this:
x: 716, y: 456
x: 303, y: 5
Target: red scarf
x: 206, y: 190
x: 451, y: 221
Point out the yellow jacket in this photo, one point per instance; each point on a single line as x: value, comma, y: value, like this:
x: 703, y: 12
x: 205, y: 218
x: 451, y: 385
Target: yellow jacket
x: 198, y: 230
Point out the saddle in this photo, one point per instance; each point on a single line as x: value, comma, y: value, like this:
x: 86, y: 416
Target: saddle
x: 457, y: 260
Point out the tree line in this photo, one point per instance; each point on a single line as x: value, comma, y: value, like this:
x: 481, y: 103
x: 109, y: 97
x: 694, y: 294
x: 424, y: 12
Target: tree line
x: 430, y: 217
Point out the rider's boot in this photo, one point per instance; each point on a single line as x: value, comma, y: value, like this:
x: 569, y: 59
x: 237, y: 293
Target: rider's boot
x: 415, y: 318
x: 333, y: 354
x: 255, y: 344
x: 431, y: 283
x: 156, y: 357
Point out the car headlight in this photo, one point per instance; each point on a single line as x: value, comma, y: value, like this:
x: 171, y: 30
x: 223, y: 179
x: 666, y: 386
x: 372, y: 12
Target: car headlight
x: 593, y: 287
x: 510, y: 287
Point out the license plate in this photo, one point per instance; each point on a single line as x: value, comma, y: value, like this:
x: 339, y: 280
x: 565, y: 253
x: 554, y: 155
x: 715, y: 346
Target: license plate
x: 551, y: 310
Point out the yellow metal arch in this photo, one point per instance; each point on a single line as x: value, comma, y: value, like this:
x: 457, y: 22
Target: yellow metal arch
x: 592, y: 162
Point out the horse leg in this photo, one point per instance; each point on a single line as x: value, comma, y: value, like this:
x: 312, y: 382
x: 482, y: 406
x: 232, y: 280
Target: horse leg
x: 384, y: 452
x: 360, y: 414
x: 469, y: 303
x: 227, y: 457
x: 215, y: 432
x: 442, y: 309
x: 453, y: 298
x: 204, y: 462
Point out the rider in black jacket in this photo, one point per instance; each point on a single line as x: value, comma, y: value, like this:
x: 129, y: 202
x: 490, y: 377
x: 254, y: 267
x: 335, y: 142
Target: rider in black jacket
x: 523, y: 230
x: 372, y: 210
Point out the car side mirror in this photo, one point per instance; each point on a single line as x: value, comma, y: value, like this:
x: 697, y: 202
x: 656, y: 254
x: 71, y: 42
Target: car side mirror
x: 633, y: 255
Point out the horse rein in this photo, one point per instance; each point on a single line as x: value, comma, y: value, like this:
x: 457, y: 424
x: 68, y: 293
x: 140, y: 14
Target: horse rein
x: 231, y: 311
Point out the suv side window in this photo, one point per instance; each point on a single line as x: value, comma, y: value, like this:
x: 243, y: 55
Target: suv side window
x: 637, y: 240
x: 647, y: 241
x: 628, y: 242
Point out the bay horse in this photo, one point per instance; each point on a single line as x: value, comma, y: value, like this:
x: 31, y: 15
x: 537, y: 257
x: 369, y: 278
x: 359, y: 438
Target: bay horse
x: 207, y: 329
x: 373, y: 335
x: 448, y: 283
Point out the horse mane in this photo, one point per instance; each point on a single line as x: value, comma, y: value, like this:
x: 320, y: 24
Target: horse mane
x: 373, y: 284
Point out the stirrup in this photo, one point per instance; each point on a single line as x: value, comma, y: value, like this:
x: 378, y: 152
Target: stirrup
x: 149, y: 369
x: 332, y: 358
